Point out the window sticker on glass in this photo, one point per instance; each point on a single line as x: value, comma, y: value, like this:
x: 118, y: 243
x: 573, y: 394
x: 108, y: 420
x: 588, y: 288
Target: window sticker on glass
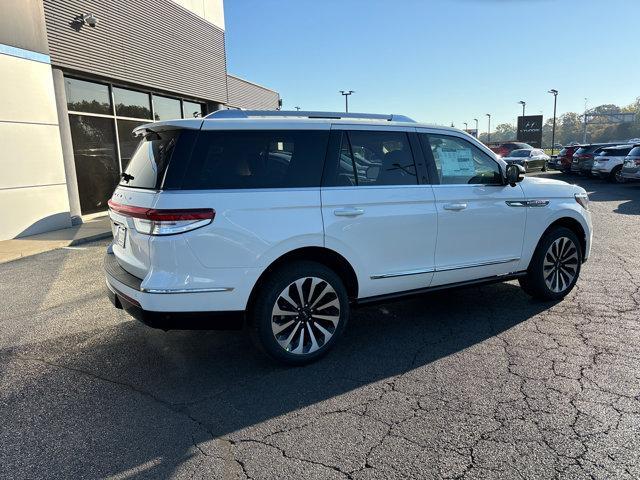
x: 457, y: 162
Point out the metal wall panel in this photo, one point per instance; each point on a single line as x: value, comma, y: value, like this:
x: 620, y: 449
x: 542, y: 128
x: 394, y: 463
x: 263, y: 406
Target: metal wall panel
x: 155, y: 43
x: 22, y: 25
x: 249, y: 96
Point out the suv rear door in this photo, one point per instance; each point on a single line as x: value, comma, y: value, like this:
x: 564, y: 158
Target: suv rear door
x: 377, y: 208
x: 165, y: 148
x: 481, y: 222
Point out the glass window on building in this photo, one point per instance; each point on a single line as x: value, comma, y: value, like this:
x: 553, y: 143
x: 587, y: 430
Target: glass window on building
x: 128, y: 142
x: 94, y: 151
x: 83, y: 96
x: 165, y: 108
x: 191, y: 109
x: 130, y: 103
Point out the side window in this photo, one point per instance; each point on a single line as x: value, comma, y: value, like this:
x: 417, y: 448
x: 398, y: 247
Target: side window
x: 370, y: 158
x: 459, y: 162
x: 256, y: 159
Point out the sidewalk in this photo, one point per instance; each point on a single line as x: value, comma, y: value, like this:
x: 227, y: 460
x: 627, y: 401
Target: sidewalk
x: 96, y: 229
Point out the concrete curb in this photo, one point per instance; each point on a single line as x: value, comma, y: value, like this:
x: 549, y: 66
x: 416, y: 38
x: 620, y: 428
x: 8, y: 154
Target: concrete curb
x: 90, y: 238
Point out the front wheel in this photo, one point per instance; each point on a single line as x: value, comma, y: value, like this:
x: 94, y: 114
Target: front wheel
x: 299, y: 313
x: 555, y: 266
x: 616, y: 175
x: 544, y: 167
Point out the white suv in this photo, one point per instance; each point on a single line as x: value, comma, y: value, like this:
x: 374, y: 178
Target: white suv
x: 284, y: 221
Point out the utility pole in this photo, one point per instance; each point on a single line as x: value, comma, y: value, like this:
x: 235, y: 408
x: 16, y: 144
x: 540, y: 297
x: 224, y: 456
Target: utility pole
x: 523, y: 103
x: 346, y: 94
x: 554, y: 92
x: 297, y: 108
x: 477, y: 133
x: 584, y: 134
x: 489, y: 129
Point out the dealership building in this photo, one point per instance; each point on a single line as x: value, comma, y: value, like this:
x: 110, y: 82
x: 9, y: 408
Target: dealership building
x: 76, y: 76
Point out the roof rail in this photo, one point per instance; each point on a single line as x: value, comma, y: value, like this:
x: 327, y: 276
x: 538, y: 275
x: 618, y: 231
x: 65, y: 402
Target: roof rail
x: 231, y: 114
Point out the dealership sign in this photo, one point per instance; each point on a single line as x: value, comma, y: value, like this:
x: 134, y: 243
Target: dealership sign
x: 530, y: 130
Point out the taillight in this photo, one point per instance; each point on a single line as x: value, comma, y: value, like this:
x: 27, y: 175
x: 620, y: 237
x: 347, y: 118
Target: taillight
x: 153, y: 221
x: 637, y: 162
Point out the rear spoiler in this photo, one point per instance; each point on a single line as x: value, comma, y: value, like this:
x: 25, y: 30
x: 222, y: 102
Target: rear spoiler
x: 184, y: 123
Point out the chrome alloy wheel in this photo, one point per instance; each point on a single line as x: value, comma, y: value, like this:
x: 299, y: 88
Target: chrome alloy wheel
x: 305, y: 316
x: 560, y: 265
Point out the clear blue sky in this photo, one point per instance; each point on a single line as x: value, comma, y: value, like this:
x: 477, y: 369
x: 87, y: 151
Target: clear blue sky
x: 439, y: 61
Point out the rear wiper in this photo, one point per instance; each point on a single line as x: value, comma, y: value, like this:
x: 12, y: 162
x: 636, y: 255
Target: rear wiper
x: 126, y: 177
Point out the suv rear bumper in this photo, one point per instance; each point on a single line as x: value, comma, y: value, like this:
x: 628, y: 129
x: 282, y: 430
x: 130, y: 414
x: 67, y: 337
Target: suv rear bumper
x: 125, y: 292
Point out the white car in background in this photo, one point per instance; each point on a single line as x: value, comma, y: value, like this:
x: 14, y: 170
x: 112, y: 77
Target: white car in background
x: 284, y: 221
x: 608, y: 163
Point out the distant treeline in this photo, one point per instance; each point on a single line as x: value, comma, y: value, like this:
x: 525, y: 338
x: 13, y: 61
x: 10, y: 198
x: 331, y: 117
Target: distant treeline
x: 570, y: 127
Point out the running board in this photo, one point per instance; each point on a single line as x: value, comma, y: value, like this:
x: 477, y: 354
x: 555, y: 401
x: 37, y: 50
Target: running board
x: 419, y: 291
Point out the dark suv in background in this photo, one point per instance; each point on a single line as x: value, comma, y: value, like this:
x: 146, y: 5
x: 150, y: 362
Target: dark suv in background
x: 582, y: 159
x: 505, y: 148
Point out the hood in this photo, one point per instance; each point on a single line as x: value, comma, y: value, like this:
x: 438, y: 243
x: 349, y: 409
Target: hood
x: 547, y: 187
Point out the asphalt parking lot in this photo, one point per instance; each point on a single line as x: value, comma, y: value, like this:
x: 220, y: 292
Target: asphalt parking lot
x: 475, y: 383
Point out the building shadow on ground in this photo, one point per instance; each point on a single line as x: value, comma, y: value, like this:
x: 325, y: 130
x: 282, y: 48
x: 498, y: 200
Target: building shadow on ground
x: 115, y: 399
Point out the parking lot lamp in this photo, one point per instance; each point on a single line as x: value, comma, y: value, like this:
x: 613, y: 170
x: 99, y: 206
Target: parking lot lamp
x: 554, y: 92
x: 346, y: 94
x: 489, y: 129
x: 523, y: 103
x: 465, y: 126
x: 476, y: 120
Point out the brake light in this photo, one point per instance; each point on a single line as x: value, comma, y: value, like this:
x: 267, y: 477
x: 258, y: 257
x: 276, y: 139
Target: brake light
x: 637, y: 162
x: 153, y: 221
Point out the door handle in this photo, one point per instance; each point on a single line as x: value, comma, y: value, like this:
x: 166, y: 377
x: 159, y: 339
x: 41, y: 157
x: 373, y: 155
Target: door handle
x: 454, y: 206
x: 348, y: 212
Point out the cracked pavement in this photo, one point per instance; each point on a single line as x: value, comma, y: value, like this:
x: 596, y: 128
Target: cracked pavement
x: 474, y: 383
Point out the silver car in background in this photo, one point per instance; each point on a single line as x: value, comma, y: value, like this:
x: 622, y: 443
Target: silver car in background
x: 631, y: 166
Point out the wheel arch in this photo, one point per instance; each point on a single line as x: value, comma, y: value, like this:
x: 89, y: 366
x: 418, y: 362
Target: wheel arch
x: 325, y: 256
x: 572, y: 224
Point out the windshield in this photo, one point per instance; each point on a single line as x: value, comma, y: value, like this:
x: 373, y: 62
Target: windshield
x: 582, y: 150
x: 150, y: 160
x: 520, y: 153
x: 635, y: 151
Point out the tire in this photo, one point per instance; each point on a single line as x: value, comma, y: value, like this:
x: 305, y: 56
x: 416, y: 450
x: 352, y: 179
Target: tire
x: 544, y: 167
x: 614, y: 176
x: 550, y: 277
x: 298, y: 337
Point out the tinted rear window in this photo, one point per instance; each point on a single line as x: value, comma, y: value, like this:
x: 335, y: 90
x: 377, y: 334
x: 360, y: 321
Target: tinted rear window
x: 151, y: 159
x: 563, y: 152
x: 521, y: 153
x: 616, y: 152
x: 581, y: 151
x: 256, y: 159
x: 635, y: 151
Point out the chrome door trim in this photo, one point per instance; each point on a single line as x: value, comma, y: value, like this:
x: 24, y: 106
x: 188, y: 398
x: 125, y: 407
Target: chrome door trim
x: 477, y: 264
x: 403, y: 273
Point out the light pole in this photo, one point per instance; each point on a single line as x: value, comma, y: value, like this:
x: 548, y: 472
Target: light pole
x: 584, y: 135
x: 523, y: 103
x: 465, y: 126
x: 477, y: 133
x: 554, y: 92
x: 346, y: 94
x: 297, y: 108
x: 489, y: 129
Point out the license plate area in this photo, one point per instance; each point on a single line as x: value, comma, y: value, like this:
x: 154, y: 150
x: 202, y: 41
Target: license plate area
x: 120, y: 235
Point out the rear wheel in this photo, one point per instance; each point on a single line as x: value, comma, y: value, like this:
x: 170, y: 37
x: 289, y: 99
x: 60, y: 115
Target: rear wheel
x: 555, y: 266
x: 616, y: 175
x: 544, y: 166
x: 299, y: 313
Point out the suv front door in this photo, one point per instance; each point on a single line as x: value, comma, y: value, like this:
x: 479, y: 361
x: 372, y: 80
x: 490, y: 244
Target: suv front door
x: 481, y: 222
x: 376, y: 212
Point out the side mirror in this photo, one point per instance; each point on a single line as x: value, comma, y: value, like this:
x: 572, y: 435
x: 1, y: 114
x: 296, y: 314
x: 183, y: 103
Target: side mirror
x: 514, y: 174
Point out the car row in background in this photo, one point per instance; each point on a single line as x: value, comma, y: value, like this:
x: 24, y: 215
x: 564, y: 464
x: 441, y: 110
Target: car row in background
x: 612, y: 161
